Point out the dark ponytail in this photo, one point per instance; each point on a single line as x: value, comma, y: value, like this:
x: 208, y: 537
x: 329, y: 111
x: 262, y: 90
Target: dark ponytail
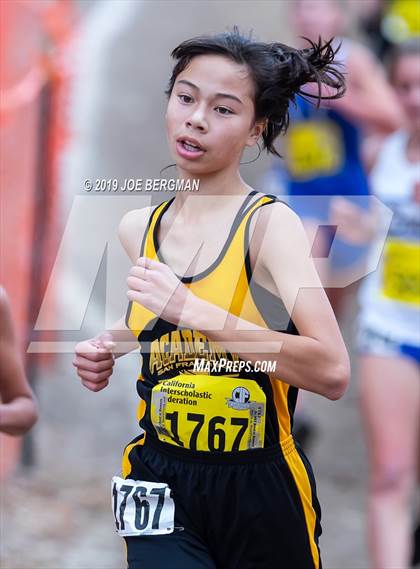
x: 278, y: 72
x: 293, y: 69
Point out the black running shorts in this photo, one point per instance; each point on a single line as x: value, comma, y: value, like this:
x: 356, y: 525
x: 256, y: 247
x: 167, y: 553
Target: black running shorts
x: 236, y: 510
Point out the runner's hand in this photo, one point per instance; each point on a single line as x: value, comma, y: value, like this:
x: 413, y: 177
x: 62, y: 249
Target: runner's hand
x: 356, y: 225
x: 94, y: 361
x: 156, y: 287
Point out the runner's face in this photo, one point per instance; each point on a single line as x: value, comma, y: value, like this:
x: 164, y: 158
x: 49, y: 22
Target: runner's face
x: 406, y: 79
x: 210, y: 115
x: 314, y: 18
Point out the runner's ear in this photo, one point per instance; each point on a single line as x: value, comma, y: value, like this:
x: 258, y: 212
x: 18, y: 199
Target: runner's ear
x: 255, y: 133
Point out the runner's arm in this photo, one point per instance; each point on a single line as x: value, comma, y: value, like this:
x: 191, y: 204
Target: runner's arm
x: 18, y: 409
x: 369, y: 99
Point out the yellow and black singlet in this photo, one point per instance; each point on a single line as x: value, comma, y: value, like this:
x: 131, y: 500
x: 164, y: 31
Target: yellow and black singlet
x: 209, y: 410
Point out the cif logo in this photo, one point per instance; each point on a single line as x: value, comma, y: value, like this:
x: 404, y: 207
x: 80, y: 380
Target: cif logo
x: 240, y: 398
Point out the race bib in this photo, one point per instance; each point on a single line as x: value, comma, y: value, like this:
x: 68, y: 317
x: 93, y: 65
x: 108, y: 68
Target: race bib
x: 209, y: 413
x: 142, y: 508
x: 313, y: 148
x: 401, y: 271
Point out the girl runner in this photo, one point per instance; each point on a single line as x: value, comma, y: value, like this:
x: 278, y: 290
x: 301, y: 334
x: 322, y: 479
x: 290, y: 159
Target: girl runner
x: 323, y: 171
x: 389, y: 340
x: 224, y: 286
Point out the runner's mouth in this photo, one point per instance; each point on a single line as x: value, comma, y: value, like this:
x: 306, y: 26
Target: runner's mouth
x: 190, y: 145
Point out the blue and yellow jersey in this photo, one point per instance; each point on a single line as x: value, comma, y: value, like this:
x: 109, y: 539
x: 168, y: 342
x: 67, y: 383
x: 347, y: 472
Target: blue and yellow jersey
x: 322, y: 153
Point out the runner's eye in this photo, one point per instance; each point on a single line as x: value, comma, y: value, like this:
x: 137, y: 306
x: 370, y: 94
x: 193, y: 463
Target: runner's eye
x: 185, y: 99
x: 224, y: 111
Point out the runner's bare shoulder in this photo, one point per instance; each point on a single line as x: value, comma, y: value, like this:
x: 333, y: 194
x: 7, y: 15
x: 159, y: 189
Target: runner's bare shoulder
x: 280, y: 220
x: 131, y: 230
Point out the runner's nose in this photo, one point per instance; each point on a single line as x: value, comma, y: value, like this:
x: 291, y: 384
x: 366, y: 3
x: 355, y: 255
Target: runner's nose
x: 197, y: 120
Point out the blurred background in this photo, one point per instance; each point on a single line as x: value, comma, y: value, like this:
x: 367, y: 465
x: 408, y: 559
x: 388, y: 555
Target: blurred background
x: 82, y: 98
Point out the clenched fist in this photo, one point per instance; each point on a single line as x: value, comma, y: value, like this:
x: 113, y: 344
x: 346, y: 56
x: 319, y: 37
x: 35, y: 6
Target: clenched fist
x: 156, y: 287
x: 94, y: 361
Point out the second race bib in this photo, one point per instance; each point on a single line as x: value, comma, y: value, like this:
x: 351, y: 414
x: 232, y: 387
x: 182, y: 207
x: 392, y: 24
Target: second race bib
x: 142, y: 508
x: 209, y: 413
x: 401, y: 271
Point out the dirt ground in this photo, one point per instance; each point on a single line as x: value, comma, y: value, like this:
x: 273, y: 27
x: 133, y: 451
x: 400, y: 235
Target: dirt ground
x: 57, y: 514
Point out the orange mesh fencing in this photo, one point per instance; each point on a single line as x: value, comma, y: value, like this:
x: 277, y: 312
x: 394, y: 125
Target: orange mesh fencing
x: 34, y: 38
